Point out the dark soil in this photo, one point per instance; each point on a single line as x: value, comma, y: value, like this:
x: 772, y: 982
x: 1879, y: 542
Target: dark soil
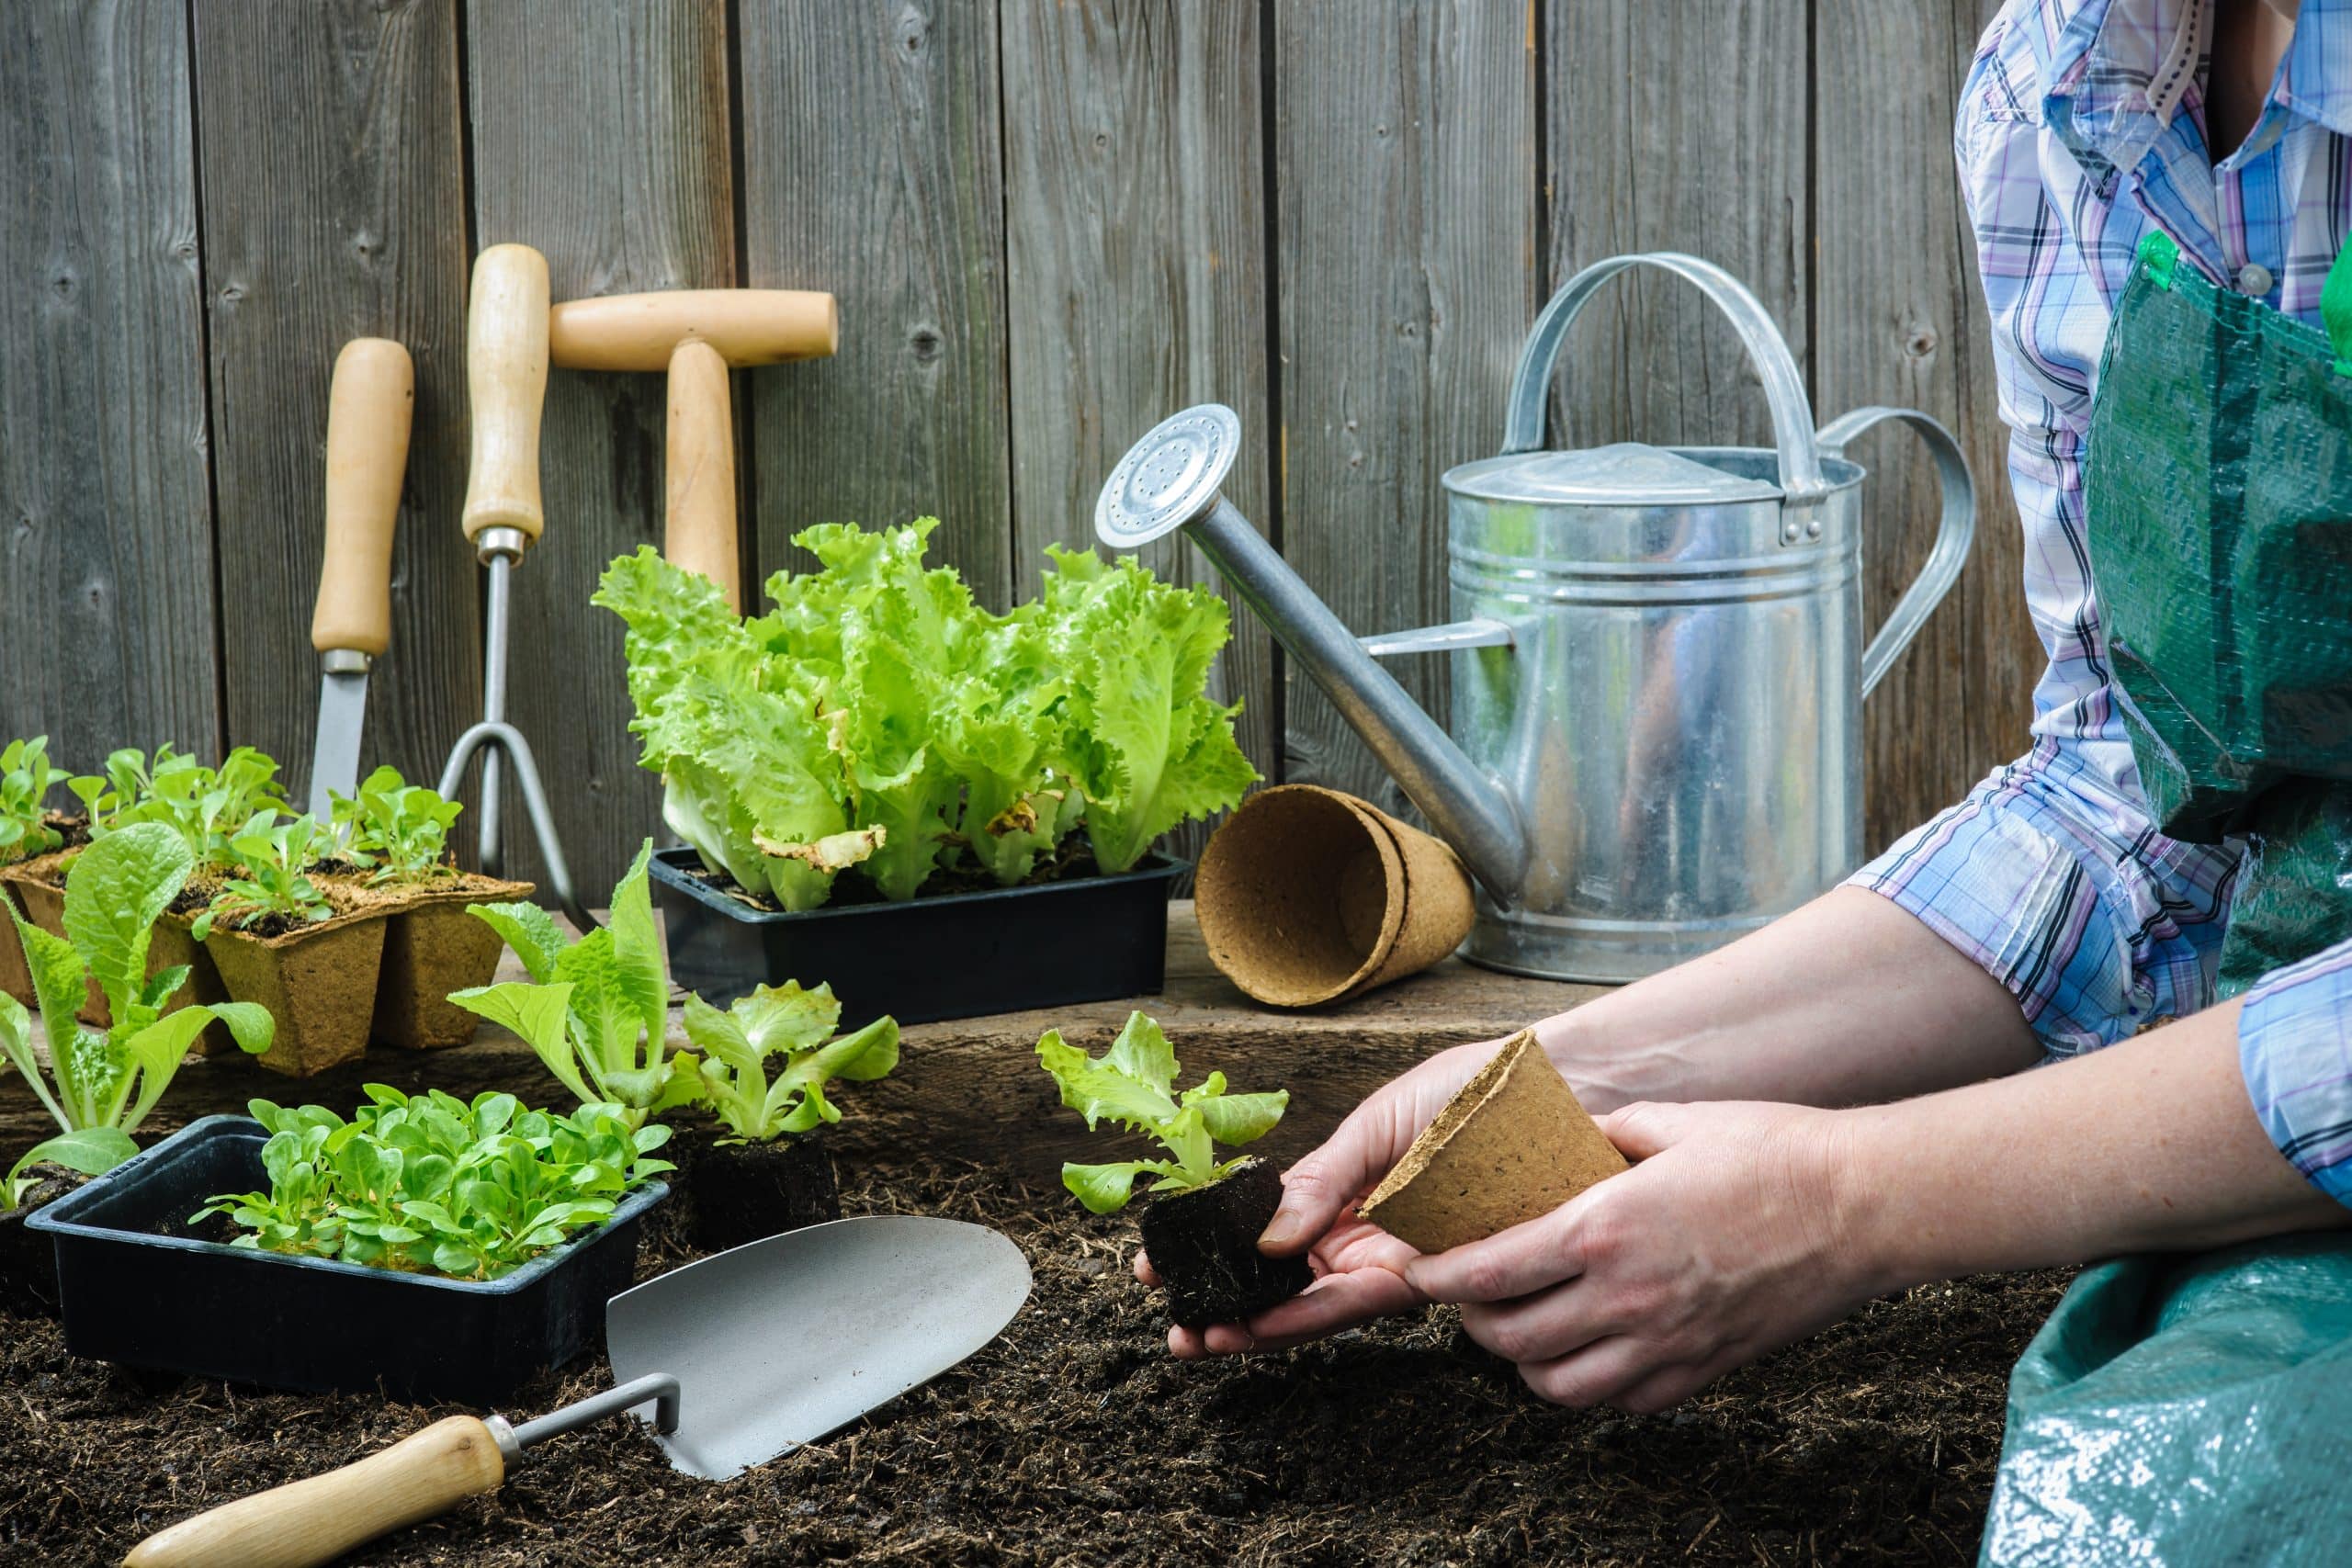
x: 740, y: 1192
x: 28, y: 1258
x: 1203, y: 1246
x: 1074, y: 1439
x: 1072, y: 858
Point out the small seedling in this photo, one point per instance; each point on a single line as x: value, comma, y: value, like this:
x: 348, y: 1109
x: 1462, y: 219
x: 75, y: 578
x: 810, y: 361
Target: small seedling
x: 394, y: 830
x: 431, y: 1184
x: 206, y: 807
x: 273, y: 860
x: 795, y: 1026
x: 102, y: 1083
x: 1133, y: 1084
x: 595, y: 1008
x: 25, y: 780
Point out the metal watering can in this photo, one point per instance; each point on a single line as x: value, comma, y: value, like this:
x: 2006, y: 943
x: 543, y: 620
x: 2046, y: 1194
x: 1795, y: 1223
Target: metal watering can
x: 1658, y: 664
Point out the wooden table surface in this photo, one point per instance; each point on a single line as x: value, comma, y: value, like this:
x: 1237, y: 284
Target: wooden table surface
x: 971, y: 1087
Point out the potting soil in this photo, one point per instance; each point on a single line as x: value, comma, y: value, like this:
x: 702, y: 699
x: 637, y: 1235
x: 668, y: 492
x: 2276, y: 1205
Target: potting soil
x: 1074, y: 1439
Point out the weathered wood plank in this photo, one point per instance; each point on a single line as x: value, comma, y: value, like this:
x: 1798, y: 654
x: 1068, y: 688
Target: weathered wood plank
x: 1900, y: 320
x: 106, y: 520
x: 344, y: 219
x: 1407, y: 187
x: 1676, y: 128
x: 601, y: 138
x: 871, y: 169
x: 971, y: 1089
x: 1136, y: 283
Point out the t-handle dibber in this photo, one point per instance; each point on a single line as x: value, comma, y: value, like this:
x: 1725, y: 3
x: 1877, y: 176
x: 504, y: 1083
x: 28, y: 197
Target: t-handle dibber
x: 697, y: 335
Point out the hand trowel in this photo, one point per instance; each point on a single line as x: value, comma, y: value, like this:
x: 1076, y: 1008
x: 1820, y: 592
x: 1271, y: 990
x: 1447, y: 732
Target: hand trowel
x: 369, y: 404
x: 743, y: 1356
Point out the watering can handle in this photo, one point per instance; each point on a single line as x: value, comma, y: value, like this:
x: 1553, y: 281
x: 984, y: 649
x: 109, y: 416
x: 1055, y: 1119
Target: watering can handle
x: 1954, y: 534
x: 1783, y: 388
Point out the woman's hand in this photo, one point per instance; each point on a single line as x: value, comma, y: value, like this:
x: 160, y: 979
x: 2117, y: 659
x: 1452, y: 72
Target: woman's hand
x: 1732, y: 1237
x: 1359, y: 1267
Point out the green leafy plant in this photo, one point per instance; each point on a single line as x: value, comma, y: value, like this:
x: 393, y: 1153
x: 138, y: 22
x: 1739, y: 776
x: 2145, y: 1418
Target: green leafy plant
x: 431, y: 1184
x: 102, y: 1083
x: 25, y: 780
x: 394, y: 830
x: 206, y: 807
x: 791, y: 1029
x: 878, y: 718
x: 1133, y: 1084
x: 273, y: 861
x: 595, y: 1008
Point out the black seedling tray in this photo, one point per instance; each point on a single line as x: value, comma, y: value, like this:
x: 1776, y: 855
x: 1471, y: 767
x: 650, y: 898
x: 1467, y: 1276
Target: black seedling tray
x: 957, y: 956
x: 133, y: 1295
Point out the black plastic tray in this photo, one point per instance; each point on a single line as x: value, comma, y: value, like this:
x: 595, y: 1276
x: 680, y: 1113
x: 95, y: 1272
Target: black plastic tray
x: 960, y: 955
x: 313, y: 1325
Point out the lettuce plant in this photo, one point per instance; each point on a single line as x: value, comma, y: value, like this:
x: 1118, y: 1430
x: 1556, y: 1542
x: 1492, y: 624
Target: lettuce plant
x: 394, y: 830
x: 272, y: 858
x: 596, y: 1009
x: 431, y: 1184
x: 25, y: 780
x: 1133, y: 1084
x: 206, y: 807
x: 878, y: 720
x: 102, y: 1083
x: 792, y: 1030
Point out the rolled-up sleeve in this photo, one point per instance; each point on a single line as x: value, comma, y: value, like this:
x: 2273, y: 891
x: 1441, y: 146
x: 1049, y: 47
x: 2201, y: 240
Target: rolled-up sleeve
x: 2293, y: 1049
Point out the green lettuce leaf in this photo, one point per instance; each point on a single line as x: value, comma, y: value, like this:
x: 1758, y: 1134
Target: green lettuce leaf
x: 1131, y: 1085
x: 120, y: 886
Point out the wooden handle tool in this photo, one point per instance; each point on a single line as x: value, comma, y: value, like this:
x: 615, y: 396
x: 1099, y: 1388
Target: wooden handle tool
x: 319, y: 1519
x: 506, y: 384
x: 746, y: 326
x: 699, y: 532
x: 369, y: 404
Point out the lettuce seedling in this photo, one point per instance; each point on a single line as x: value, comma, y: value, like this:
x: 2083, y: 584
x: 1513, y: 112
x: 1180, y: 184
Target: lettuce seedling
x: 796, y: 1027
x: 1133, y: 1084
x: 206, y: 807
x: 25, y: 781
x: 102, y: 1083
x: 596, y: 1009
x: 273, y: 861
x: 394, y: 830
x: 431, y: 1184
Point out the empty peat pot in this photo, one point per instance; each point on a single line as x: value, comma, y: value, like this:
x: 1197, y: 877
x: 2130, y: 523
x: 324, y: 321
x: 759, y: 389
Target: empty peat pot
x: 1204, y: 1246
x: 1307, y: 896
x: 1511, y: 1145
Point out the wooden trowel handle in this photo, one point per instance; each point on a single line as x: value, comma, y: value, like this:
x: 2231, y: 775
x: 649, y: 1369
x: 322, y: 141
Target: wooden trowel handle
x: 369, y: 406
x: 319, y: 1519
x: 746, y: 326
x: 700, y: 533
x: 507, y: 385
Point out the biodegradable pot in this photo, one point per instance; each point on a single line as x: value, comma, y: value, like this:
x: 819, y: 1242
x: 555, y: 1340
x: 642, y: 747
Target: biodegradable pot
x: 16, y: 980
x: 310, y: 1323
x: 740, y: 1192
x: 433, y: 947
x: 27, y: 1258
x: 40, y: 888
x: 955, y: 955
x: 1511, y: 1145
x: 318, y: 981
x: 1203, y: 1246
x: 1307, y: 896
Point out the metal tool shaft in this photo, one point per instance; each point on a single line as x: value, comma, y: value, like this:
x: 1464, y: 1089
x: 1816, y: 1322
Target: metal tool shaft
x: 501, y: 565
x: 658, y: 1387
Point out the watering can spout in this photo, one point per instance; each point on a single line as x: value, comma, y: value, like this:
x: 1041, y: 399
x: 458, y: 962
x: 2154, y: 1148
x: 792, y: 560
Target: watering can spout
x: 1169, y: 482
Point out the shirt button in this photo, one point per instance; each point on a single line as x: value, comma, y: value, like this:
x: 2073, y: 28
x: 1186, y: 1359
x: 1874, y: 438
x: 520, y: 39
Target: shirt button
x: 2255, y: 280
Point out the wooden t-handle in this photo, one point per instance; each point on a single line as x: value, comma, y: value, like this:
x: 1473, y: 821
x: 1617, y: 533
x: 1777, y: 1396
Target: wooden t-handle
x: 319, y: 1519
x: 700, y: 533
x: 369, y: 406
x: 506, y: 383
x: 746, y: 326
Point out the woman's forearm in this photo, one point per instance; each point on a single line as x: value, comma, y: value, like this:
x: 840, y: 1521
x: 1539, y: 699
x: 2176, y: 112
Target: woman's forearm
x: 2150, y: 1144
x: 1848, y: 1001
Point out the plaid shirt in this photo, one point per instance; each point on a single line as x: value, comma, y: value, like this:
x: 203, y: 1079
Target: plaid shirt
x: 2081, y: 125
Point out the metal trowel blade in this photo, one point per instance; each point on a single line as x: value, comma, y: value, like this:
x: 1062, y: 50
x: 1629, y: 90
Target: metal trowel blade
x: 775, y: 1344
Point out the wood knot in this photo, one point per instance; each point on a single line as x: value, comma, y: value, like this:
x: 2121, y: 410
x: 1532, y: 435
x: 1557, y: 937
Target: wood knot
x: 1922, y: 342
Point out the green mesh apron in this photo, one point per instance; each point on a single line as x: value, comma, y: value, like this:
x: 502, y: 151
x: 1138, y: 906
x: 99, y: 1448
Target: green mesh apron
x: 2199, y: 1410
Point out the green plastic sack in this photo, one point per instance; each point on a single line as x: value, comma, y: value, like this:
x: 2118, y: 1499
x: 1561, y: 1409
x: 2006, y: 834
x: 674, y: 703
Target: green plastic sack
x: 2219, y: 482
x: 2186, y: 1410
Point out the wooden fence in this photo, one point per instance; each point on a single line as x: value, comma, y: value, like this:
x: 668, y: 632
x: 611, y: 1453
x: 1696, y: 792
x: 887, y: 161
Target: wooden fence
x: 1048, y: 225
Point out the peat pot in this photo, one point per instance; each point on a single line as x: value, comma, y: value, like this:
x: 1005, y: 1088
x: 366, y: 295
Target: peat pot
x: 957, y: 956
x: 306, y: 1323
x: 1658, y: 665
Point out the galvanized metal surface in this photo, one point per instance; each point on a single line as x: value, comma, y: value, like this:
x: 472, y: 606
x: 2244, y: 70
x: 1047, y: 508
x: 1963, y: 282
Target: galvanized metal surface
x: 1658, y: 662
